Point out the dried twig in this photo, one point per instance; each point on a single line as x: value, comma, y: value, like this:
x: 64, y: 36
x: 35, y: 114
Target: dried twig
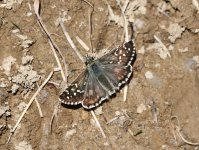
x: 177, y: 129
x: 112, y: 120
x: 125, y: 5
x: 162, y: 45
x: 123, y: 9
x: 53, y: 47
x: 57, y: 59
x: 56, y: 108
x: 82, y: 43
x: 90, y: 27
x: 28, y: 105
x: 125, y: 93
x: 164, y: 13
x: 186, y: 141
x: 173, y: 131
x: 98, y: 124
x: 39, y: 108
x: 90, y: 22
x: 89, y: 3
x: 36, y: 9
x: 71, y: 42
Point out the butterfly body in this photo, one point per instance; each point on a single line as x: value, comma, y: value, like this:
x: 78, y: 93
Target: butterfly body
x: 101, y: 78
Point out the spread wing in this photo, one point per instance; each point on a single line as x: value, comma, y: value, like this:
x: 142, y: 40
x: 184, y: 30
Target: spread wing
x: 117, y: 64
x: 94, y: 93
x: 73, y: 95
x: 85, y: 90
x: 88, y: 89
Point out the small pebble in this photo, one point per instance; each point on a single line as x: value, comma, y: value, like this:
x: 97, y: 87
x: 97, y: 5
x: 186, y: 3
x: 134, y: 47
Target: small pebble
x: 84, y: 115
x: 149, y: 75
x: 98, y: 111
x: 141, y: 108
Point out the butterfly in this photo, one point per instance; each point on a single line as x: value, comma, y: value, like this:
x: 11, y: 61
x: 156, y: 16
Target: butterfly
x: 101, y: 78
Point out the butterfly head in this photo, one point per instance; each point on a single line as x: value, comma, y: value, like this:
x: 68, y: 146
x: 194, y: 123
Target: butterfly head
x: 88, y: 59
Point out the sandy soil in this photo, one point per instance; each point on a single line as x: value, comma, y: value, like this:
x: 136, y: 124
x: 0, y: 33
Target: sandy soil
x: 163, y: 95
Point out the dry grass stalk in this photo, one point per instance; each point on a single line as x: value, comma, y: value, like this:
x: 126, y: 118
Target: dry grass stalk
x: 29, y: 104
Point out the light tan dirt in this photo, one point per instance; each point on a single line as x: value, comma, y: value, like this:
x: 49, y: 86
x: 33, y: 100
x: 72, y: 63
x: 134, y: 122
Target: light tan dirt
x: 173, y: 90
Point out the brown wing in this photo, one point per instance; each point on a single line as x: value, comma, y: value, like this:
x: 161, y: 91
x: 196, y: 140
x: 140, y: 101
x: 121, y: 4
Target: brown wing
x: 117, y: 64
x: 73, y: 95
x: 94, y: 93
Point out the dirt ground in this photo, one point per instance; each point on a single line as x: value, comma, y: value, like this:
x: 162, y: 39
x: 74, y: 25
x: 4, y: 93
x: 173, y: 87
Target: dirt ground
x: 162, y: 106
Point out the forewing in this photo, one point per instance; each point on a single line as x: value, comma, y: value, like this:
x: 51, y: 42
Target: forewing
x: 73, y: 95
x: 94, y: 93
x: 117, y: 64
x: 121, y: 56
